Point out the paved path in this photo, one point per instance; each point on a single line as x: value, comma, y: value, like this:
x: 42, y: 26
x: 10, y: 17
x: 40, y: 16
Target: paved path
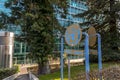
x: 23, y: 77
x: 24, y: 73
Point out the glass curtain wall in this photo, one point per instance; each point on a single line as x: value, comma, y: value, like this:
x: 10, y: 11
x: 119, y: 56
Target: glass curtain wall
x: 74, y: 7
x: 21, y: 49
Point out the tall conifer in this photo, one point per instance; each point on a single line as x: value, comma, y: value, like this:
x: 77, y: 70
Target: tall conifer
x: 37, y: 22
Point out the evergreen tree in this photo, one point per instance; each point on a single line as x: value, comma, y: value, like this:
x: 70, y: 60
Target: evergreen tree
x: 103, y: 15
x: 3, y: 20
x: 37, y: 23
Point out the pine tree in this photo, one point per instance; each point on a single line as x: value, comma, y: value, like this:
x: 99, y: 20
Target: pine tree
x: 103, y: 15
x: 3, y: 20
x: 37, y: 23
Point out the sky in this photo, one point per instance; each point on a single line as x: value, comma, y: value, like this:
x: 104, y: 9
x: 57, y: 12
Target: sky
x: 2, y: 7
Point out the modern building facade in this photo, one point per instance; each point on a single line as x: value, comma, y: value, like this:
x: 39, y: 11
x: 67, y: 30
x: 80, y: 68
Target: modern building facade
x: 74, y: 7
x: 21, y: 49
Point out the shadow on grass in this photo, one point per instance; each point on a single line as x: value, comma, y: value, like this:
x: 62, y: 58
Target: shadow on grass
x: 74, y: 71
x: 56, y: 75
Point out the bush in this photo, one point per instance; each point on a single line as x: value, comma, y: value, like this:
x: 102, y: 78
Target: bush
x: 17, y: 67
x: 93, y: 58
x: 111, y: 55
x: 5, y: 72
x: 107, y: 56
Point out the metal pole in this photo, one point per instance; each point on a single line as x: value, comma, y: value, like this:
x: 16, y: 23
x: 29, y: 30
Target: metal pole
x: 87, y: 67
x: 21, y: 48
x: 99, y: 55
x: 61, y: 61
x: 25, y: 52
x: 68, y: 68
x: 99, y: 52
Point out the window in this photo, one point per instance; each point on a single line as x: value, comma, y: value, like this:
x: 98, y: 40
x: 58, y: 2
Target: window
x: 74, y: 4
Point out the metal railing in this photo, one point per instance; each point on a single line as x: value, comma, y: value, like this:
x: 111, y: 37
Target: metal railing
x: 12, y: 77
x: 32, y: 76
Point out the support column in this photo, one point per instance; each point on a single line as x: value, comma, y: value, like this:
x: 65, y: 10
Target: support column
x: 87, y: 66
x: 62, y: 52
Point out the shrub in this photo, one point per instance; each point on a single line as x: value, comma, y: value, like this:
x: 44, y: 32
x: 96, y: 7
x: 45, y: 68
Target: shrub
x: 107, y: 56
x: 111, y: 55
x: 93, y: 58
x: 17, y: 67
x: 5, y: 72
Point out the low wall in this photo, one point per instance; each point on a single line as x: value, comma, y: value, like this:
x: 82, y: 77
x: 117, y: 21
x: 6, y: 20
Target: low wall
x: 12, y: 77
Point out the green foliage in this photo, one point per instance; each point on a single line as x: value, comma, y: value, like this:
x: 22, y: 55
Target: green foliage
x: 17, y: 67
x: 102, y: 14
x: 111, y: 55
x: 7, y: 72
x: 93, y: 58
x: 56, y: 75
x: 37, y: 22
x: 75, y: 71
x: 3, y: 20
x: 108, y: 55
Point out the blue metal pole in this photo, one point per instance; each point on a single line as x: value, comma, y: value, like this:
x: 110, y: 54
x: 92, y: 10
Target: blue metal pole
x: 99, y: 56
x: 99, y: 52
x: 87, y: 66
x: 69, y: 68
x: 61, y: 60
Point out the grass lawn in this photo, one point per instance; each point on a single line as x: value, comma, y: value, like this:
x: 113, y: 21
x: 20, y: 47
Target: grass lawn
x: 74, y: 71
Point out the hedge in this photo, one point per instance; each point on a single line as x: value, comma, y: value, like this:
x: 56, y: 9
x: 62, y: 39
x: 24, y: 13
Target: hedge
x: 5, y: 72
x: 107, y: 56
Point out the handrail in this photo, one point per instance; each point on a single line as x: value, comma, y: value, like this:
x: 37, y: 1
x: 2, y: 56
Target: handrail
x: 12, y: 77
x: 32, y: 76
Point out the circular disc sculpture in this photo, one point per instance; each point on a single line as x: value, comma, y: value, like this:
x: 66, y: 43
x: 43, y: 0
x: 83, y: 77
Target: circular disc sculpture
x: 92, y: 38
x: 73, y: 35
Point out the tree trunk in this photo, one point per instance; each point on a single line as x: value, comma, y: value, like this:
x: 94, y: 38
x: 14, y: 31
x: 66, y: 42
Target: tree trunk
x: 43, y: 68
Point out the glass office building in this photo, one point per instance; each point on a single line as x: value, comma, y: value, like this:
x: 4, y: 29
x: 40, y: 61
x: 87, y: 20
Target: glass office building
x: 21, y: 49
x: 74, y: 7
